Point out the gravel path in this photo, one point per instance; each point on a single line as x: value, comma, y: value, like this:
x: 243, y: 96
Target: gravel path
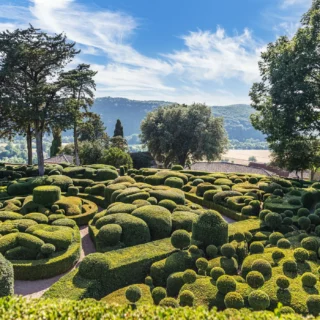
x: 36, y: 288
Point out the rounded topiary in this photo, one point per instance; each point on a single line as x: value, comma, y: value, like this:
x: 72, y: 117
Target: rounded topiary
x: 247, y: 210
x: 94, y: 265
x: 303, y: 212
x: 310, y: 243
x: 277, y: 255
x: 6, y: 277
x: 262, y: 266
x: 210, y: 228
x: 275, y: 237
x: 73, y: 191
x: 313, y: 304
x: 239, y: 236
x: 176, y: 167
x: 286, y: 310
x: 273, y: 220
x: 288, y: 213
x: 168, y: 204
x: 315, y: 219
x: 174, y: 182
x: 189, y: 276
x: 317, y: 231
x: 255, y: 279
x: 302, y: 235
x: 109, y: 235
x: 195, y: 182
x: 194, y: 250
x: 202, y: 265
x: 133, y: 294
x: 289, y: 265
x: 263, y: 214
x: 47, y: 249
x: 278, y: 192
x: 186, y: 298
x: 256, y: 247
x: 248, y: 236
x: 152, y: 200
x: 46, y: 195
x: 258, y: 300
x: 158, y: 294
x: 216, y: 273
x: 211, y: 251
x: 228, y: 250
x: 283, y: 282
x: 284, y: 244
x: 54, y: 207
x: 287, y: 221
x: 226, y: 284
x: 180, y: 239
x: 304, y: 223
x: 148, y: 281
x: 309, y: 279
x: 169, y: 302
x: 234, y: 300
x: 301, y: 254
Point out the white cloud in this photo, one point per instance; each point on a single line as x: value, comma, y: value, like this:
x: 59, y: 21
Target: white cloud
x: 288, y: 3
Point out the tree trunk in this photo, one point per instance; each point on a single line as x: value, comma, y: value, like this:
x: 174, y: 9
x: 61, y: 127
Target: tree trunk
x: 29, y: 145
x: 39, y: 135
x: 312, y: 173
x: 301, y: 174
x: 76, y: 147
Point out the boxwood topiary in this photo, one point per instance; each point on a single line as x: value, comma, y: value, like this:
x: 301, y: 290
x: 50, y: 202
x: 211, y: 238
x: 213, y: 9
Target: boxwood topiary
x: 46, y: 195
x: 283, y: 282
x: 133, y: 294
x: 309, y: 279
x: 180, y: 239
x: 313, y: 304
x: 258, y: 300
x: 262, y: 266
x: 255, y: 279
x: 284, y: 244
x: 310, y: 243
x: 256, y: 247
x: 303, y: 212
x: 183, y: 220
x: 234, y: 300
x: 228, y: 250
x: 169, y: 302
x: 168, y: 204
x: 226, y: 284
x: 304, y: 223
x: 216, y: 273
x: 211, y: 251
x: 273, y: 220
x: 289, y: 265
x: 301, y: 254
x: 186, y: 298
x: 109, y: 235
x: 6, y: 277
x: 275, y: 237
x: 174, y: 182
x: 189, y: 276
x: 158, y: 294
x: 174, y: 283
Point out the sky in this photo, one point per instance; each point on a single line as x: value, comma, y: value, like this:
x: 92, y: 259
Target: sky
x: 183, y: 51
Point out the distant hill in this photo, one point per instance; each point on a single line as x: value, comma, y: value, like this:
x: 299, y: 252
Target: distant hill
x: 131, y: 113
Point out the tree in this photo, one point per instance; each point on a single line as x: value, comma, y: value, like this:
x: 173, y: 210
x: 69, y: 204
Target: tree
x: 181, y: 133
x: 79, y: 88
x: 33, y: 59
x: 116, y: 157
x: 118, y: 130
x: 119, y: 142
x: 56, y: 142
x: 91, y: 152
x: 92, y: 128
x: 252, y: 159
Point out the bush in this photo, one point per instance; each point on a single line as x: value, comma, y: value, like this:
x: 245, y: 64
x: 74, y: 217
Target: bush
x: 189, y: 276
x: 314, y: 219
x: 239, y: 236
x: 263, y: 214
x: 174, y: 283
x: 216, y: 273
x: 289, y: 265
x: 210, y: 228
x: 175, y: 195
x: 304, y: 223
x: 262, y: 266
x: 174, y: 182
x: 301, y: 254
x: 228, y: 250
x: 176, y: 167
x: 256, y: 247
x: 168, y: 204
x: 46, y: 195
x: 310, y: 243
x: 109, y: 235
x: 258, y: 300
x: 284, y: 244
x: 47, y: 249
x: 283, y: 282
x: 6, y: 277
x: 180, y: 239
x: 169, y: 302
x: 202, y: 265
x: 186, y: 298
x: 158, y: 294
x: 234, y: 300
x: 273, y: 220
x: 226, y: 284
x: 196, y: 182
x: 211, y: 251
x: 303, y: 212
x: 313, y: 304
x: 275, y: 237
x: 133, y: 294
x: 309, y: 279
x: 247, y: 210
x: 255, y: 279
x: 183, y: 220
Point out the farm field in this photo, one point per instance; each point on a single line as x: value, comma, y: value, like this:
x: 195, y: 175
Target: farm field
x: 242, y: 156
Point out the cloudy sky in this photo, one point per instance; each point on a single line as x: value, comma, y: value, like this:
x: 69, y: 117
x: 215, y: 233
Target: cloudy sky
x: 173, y: 50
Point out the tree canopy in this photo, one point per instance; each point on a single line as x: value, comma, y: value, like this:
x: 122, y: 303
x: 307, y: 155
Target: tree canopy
x: 183, y: 133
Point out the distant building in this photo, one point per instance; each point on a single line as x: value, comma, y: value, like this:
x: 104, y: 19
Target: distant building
x: 61, y: 158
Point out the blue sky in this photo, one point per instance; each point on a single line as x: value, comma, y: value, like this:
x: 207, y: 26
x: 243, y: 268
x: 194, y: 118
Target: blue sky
x: 178, y: 50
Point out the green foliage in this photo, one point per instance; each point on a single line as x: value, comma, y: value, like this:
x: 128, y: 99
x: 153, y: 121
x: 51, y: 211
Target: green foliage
x: 46, y: 195
x: 228, y: 250
x: 216, y: 273
x: 226, y: 284
x: 309, y: 279
x: 262, y: 266
x: 133, y: 294
x: 234, y: 300
x: 256, y: 247
x: 158, y: 294
x: 258, y: 300
x: 255, y: 279
x: 6, y: 277
x: 180, y: 239
x: 186, y: 298
x: 174, y: 284
x: 116, y: 157
x: 189, y: 276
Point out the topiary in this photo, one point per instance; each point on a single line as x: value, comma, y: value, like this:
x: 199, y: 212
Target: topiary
x: 158, y: 294
x: 247, y: 210
x: 47, y: 249
x: 309, y: 279
x: 133, y: 294
x: 255, y: 279
x: 239, y: 236
x: 315, y: 219
x: 256, y: 247
x: 174, y: 283
x: 189, y: 276
x: 202, y: 265
x: 216, y: 273
x: 262, y: 266
x: 275, y: 237
x: 211, y: 251
x: 234, y: 300
x: 195, y: 182
x: 152, y: 200
x: 148, y: 281
x: 228, y: 250
x: 6, y: 277
x: 180, y: 239
x: 186, y: 298
x: 313, y: 304
x: 169, y: 302
x: 263, y: 214
x: 304, y: 223
x: 283, y: 282
x: 168, y: 204
x: 303, y: 212
x: 258, y: 300
x: 284, y: 244
x: 109, y: 235
x: 46, y: 195
x: 174, y: 182
x: 289, y: 265
x: 310, y: 243
x: 273, y: 220
x: 226, y: 284
x: 287, y: 221
x: 301, y: 254
x: 248, y: 236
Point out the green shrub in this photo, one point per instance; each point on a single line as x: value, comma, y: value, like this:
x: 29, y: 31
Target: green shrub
x: 29, y: 241
x: 273, y: 220
x: 168, y: 204
x: 121, y: 208
x: 197, y: 181
x: 239, y: 236
x: 169, y: 302
x: 158, y: 294
x: 176, y: 167
x: 262, y: 266
x: 211, y: 251
x: 183, y: 220
x: 202, y: 265
x: 61, y: 181
x: 175, y: 195
x: 47, y: 249
x: 256, y: 247
x: 283, y: 244
x: 258, y: 300
x: 303, y: 212
x: 226, y: 284
x: 46, y: 195
x: 206, y: 186
x: 263, y: 214
x: 133, y: 294
x: 247, y: 210
x: 310, y: 243
x: 275, y: 237
x: 189, y: 276
x: 313, y: 304
x: 186, y: 298
x: 180, y: 239
x: 234, y: 300
x: 309, y: 279
x: 216, y: 273
x: 105, y: 174
x: 109, y: 235
x: 301, y: 254
x: 6, y: 277
x: 283, y: 282
x: 174, y: 284
x: 210, y: 228
x: 228, y: 250
x: 223, y: 181
x: 255, y: 279
x: 289, y: 265
x: 304, y: 223
x: 219, y: 198
x: 21, y: 253
x: 174, y: 182
x: 314, y: 219
x: 37, y: 217
x: 287, y: 221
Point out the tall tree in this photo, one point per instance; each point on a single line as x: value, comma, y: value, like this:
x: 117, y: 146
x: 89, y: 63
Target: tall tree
x: 120, y: 143
x: 92, y: 128
x: 118, y: 130
x: 79, y: 90
x: 181, y: 133
x: 56, y: 142
x: 35, y: 59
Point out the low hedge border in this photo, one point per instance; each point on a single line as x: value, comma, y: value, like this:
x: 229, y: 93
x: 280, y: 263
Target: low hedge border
x: 50, y: 267
x: 98, y: 200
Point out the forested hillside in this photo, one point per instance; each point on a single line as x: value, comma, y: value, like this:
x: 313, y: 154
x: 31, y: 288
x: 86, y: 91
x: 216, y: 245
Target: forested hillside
x: 131, y: 112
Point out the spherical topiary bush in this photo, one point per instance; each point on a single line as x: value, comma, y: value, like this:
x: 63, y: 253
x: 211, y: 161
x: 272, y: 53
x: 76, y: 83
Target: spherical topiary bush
x: 304, y: 223
x: 258, y: 300
x: 303, y: 212
x: 148, y: 281
x: 174, y: 182
x: 310, y: 243
x: 47, y: 249
x: 275, y: 237
x: 6, y: 277
x: 287, y: 221
x: 234, y: 300
x: 283, y: 282
x: 262, y: 266
x: 202, y: 265
x: 152, y: 200
x: 309, y: 279
x: 255, y: 279
x: 216, y: 273
x: 317, y: 231
x: 247, y: 210
x: 195, y: 182
x: 194, y: 250
x: 186, y: 298
x: 284, y: 244
x: 226, y: 284
x: 289, y: 265
x: 313, y: 304
x: 301, y: 254
x: 176, y: 167
x: 73, y: 191
x: 277, y: 255
x: 168, y: 204
x: 302, y: 235
x: 211, y: 251
x: 256, y: 247
x: 109, y: 235
x: 180, y: 239
x: 133, y: 294
x: 248, y: 236
x: 315, y: 219
x: 288, y: 213
x: 278, y: 192
x: 46, y: 195
x: 189, y: 276
x: 263, y: 214
x: 169, y: 302
x: 239, y: 236
x: 273, y: 220
x: 158, y: 293
x: 228, y: 250
x: 94, y: 266
x: 210, y: 228
x: 174, y: 284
